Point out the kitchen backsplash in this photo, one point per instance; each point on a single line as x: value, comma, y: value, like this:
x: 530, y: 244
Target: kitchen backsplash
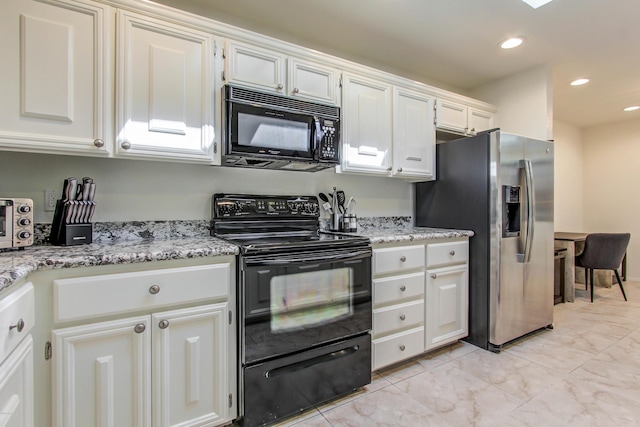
x: 105, y: 232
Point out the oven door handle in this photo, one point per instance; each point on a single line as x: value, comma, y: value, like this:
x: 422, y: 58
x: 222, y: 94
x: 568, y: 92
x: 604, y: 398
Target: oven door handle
x: 290, y: 259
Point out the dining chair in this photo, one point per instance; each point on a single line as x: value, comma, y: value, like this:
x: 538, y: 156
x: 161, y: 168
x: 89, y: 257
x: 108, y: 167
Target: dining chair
x: 603, y: 251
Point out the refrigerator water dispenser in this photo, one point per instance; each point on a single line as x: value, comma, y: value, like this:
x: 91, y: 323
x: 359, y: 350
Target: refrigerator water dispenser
x: 510, y: 211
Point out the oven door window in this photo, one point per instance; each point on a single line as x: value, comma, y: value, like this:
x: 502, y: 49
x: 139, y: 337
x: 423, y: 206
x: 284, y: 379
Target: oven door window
x: 263, y: 131
x: 4, y: 218
x: 310, y: 299
x: 295, y: 302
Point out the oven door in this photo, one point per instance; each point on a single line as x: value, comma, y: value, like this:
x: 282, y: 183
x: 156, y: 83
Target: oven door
x: 294, y: 302
x: 6, y: 224
x: 266, y: 132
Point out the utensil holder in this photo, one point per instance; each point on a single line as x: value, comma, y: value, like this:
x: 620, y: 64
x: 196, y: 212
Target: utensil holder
x: 336, y: 222
x: 64, y: 233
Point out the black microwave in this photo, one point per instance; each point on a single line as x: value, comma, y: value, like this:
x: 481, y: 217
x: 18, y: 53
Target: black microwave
x: 270, y: 131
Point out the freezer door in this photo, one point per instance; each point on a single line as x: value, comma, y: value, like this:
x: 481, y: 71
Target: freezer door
x: 521, y: 290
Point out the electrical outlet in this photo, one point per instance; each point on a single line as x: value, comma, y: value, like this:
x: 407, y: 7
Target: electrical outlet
x: 49, y: 200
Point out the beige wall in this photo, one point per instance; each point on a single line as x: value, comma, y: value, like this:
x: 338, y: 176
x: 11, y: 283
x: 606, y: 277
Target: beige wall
x: 135, y: 190
x: 612, y: 184
x: 524, y: 101
x: 568, y: 179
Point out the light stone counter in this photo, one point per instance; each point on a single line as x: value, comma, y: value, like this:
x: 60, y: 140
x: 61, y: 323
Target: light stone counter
x: 17, y: 264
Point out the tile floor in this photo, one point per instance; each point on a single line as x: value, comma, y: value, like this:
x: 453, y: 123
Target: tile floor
x: 584, y: 372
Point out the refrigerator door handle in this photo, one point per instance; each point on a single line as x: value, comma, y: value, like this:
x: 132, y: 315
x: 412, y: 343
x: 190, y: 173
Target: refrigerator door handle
x: 530, y: 209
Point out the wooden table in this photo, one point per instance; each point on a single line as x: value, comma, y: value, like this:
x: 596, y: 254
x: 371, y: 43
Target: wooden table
x: 574, y: 244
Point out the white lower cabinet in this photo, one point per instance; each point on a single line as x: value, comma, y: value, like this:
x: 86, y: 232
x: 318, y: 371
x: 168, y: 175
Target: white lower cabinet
x: 17, y: 318
x: 420, y: 298
x: 158, y: 350
x: 447, y: 307
x: 162, y: 370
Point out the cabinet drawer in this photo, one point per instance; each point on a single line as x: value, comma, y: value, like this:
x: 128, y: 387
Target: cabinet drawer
x: 398, y: 288
x: 398, y: 317
x: 447, y: 253
x: 92, y: 296
x: 17, y: 317
x: 394, y: 348
x: 388, y: 260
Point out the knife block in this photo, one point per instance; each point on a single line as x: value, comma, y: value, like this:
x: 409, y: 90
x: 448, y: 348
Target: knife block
x: 64, y: 234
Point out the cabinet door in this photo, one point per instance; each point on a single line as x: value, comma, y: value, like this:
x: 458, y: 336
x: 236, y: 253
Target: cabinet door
x: 447, y: 304
x: 451, y: 116
x: 55, y: 77
x: 366, y: 134
x: 102, y: 374
x: 16, y: 386
x: 479, y: 120
x: 313, y: 81
x: 253, y: 66
x: 414, y: 134
x: 191, y: 365
x: 165, y: 95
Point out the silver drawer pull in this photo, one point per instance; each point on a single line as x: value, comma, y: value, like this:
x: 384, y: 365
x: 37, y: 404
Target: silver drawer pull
x: 433, y: 276
x: 403, y: 288
x: 402, y: 317
x: 19, y: 326
x: 98, y: 143
x: 154, y: 289
x: 139, y: 328
x: 402, y: 347
x: 164, y: 324
x: 403, y: 258
x: 452, y: 253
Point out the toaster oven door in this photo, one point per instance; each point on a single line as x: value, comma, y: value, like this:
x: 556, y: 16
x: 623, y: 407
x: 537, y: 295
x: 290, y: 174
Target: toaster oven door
x: 6, y: 222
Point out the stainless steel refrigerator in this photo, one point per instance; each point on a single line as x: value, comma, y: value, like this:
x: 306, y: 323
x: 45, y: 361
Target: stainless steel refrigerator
x: 500, y: 186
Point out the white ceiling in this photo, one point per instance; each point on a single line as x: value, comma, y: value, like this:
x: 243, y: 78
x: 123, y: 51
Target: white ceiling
x: 454, y: 43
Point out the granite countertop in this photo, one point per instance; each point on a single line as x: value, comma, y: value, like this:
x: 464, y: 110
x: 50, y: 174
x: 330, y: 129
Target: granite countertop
x: 133, y: 242
x: 409, y: 234
x: 17, y: 264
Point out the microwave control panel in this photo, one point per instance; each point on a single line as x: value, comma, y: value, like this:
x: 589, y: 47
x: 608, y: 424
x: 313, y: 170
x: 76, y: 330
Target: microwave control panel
x: 328, y: 149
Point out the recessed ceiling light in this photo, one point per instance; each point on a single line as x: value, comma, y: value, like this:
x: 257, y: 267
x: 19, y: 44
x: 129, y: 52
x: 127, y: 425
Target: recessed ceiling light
x: 635, y: 107
x: 579, y: 82
x: 512, y: 42
x: 536, y: 3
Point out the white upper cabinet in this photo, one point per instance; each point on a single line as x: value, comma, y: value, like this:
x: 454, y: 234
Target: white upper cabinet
x: 413, y: 134
x: 164, y: 90
x: 55, y: 77
x: 461, y: 118
x: 366, y: 125
x: 273, y: 71
x: 479, y: 120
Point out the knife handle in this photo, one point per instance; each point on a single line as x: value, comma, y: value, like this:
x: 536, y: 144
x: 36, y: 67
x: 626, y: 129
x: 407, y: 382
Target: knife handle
x: 92, y: 192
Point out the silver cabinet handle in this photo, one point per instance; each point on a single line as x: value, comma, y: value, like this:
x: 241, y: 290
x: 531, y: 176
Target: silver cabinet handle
x: 164, y: 324
x: 296, y: 90
x: 399, y: 169
x: 19, y: 326
x: 403, y: 317
x: 125, y: 145
x: 403, y: 258
x: 402, y: 347
x: 139, y: 328
x: 154, y: 289
x: 403, y: 288
x: 452, y: 253
x: 433, y: 276
x: 98, y: 143
x: 279, y: 87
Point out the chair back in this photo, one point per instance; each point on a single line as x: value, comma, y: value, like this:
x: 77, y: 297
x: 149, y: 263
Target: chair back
x: 604, y: 250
